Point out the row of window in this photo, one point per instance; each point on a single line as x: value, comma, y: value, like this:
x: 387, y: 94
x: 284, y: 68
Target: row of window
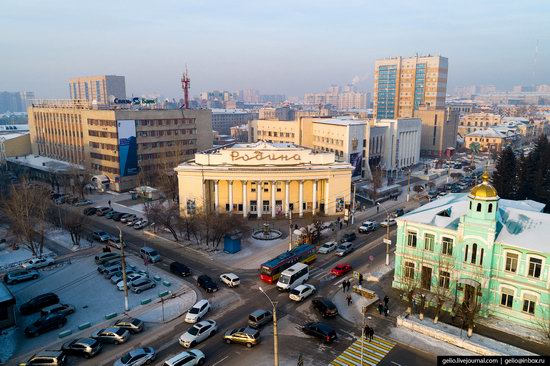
x: 102, y: 122
x: 152, y: 145
x: 160, y: 133
x: 104, y: 134
x: 275, y: 134
x: 105, y: 169
x: 429, y: 241
x: 52, y: 131
x: 529, y: 301
x: 534, y: 269
x: 168, y: 154
x: 98, y: 145
x: 104, y: 157
x: 54, y: 117
x: 166, y: 122
x: 329, y: 140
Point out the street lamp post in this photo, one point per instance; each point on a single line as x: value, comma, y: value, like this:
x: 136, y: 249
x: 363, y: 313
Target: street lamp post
x: 387, y: 241
x: 123, y: 261
x: 408, y: 183
x: 275, y: 334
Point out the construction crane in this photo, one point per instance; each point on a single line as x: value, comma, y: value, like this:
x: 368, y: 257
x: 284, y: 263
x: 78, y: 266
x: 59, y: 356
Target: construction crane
x: 185, y: 83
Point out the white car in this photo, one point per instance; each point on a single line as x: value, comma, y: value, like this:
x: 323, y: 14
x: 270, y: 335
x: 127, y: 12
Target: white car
x: 387, y: 223
x: 129, y: 278
x: 191, y: 357
x: 38, y: 262
x: 230, y: 279
x: 197, y: 311
x: 327, y: 247
x: 198, y: 333
x: 300, y: 292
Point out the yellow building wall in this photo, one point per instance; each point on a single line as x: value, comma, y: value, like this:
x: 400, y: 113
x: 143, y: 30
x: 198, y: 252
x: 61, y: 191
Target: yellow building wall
x: 18, y: 146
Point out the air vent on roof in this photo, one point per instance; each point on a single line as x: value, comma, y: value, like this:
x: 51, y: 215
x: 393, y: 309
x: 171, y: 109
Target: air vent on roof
x: 445, y: 213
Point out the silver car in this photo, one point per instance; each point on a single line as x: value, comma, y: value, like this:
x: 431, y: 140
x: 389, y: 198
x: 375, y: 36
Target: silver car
x: 20, y: 275
x: 111, y: 335
x: 137, y: 357
x: 141, y: 284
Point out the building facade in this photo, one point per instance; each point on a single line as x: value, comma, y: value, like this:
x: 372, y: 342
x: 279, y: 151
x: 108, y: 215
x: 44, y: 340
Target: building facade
x: 490, y: 139
x: 340, y: 98
x: 224, y: 119
x: 472, y: 122
x: 264, y: 180
x: 118, y: 143
x: 15, y: 101
x: 401, y: 143
x: 97, y: 89
x: 478, y: 250
x: 439, y: 130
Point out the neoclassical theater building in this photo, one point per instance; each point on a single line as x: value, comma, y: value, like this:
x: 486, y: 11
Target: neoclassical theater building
x: 265, y: 180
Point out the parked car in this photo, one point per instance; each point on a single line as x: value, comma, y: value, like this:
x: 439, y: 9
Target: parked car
x: 110, y: 214
x: 248, y: 336
x: 126, y: 217
x: 325, y: 307
x: 390, y: 222
x: 398, y: 212
x: 140, y: 225
x: 101, y: 236
x: 137, y: 357
x: 190, y: 357
x: 368, y: 226
x: 85, y: 347
x: 111, y: 335
x: 180, y: 269
x: 198, y: 333
x: 20, y: 275
x: 63, y: 309
x: 117, y: 277
x: 133, y: 325
x: 112, y: 270
x: 320, y: 330
x: 46, y: 358
x: 106, y: 257
x: 230, y: 279
x: 131, y: 222
x: 348, y: 237
x: 340, y: 269
x: 150, y: 254
x: 259, y: 317
x: 344, y: 249
x: 301, y: 292
x: 114, y: 263
x: 197, y: 311
x: 118, y: 216
x: 89, y: 211
x: 207, y: 283
x: 327, y: 247
x: 37, y: 303
x: 45, y: 323
x: 83, y: 203
x: 34, y: 263
x: 141, y: 284
x: 129, y: 279
x: 101, y: 211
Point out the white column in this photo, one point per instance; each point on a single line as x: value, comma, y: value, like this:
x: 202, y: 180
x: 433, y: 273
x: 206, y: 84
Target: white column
x: 245, y: 202
x: 273, y: 191
x: 230, y: 196
x: 216, y: 197
x: 314, y: 197
x: 301, y: 208
x: 326, y: 195
x: 287, y: 198
x: 259, y: 204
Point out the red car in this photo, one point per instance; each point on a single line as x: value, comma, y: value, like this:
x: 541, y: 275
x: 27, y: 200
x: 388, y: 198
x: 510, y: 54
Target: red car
x: 340, y: 269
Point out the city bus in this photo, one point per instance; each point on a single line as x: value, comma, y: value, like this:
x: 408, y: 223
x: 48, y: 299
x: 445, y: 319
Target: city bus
x: 271, y: 270
x: 293, y: 276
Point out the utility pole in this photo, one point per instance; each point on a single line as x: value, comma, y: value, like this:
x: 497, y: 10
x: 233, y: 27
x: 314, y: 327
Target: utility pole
x: 275, y: 331
x: 123, y: 260
x: 353, y: 204
x: 387, y: 239
x: 290, y: 230
x: 408, y: 184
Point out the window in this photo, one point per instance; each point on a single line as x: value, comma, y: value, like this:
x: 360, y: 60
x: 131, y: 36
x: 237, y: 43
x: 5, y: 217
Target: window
x: 481, y: 257
x: 535, y: 267
x: 490, y: 208
x: 511, y: 262
x: 478, y: 207
x: 447, y: 244
x: 444, y: 279
x: 474, y: 254
x: 466, y: 254
x: 507, y: 297
x: 409, y: 270
x: 411, y: 239
x: 529, y: 303
x: 429, y: 242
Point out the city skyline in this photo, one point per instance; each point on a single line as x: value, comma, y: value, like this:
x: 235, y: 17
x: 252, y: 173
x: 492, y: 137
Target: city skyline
x: 293, y: 50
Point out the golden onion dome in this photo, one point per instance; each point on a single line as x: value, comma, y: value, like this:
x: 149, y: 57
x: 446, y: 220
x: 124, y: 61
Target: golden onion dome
x: 484, y: 190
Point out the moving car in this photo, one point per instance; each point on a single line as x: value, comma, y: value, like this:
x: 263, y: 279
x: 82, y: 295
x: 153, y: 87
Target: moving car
x: 141, y: 284
x: 150, y: 254
x: 137, y: 357
x: 340, y: 269
x: 34, y: 263
x: 86, y: 347
x: 63, y: 309
x: 348, y: 237
x: 115, y: 241
x: 230, y: 279
x: 320, y: 330
x: 111, y: 335
x: 248, y: 336
x: 327, y: 247
x: 390, y: 222
x: 101, y: 211
x: 301, y: 292
x: 197, y: 311
x: 133, y: 325
x: 198, y: 333
x: 207, y: 283
x: 101, y: 236
x: 20, y: 275
x: 259, y: 318
x: 45, y: 323
x: 325, y: 307
x: 398, y: 212
x: 190, y: 357
x: 83, y: 203
x: 344, y: 249
x: 368, y: 226
x: 180, y: 269
x: 38, y: 302
x: 50, y: 358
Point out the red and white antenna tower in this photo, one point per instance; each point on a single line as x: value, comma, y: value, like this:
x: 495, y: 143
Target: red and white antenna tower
x: 185, y: 83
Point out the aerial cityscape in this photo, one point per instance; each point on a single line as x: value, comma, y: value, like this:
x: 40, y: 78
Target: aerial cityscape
x: 292, y: 183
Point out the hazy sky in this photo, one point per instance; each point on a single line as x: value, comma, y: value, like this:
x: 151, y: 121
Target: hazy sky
x: 288, y: 47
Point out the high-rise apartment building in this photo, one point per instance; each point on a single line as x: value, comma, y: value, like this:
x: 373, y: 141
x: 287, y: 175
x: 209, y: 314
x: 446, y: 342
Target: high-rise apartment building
x: 98, y: 88
x: 341, y: 98
x: 15, y: 101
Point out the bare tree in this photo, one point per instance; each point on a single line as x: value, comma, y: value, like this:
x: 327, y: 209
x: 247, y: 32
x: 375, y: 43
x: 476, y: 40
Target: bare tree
x: 442, y: 291
x: 164, y: 213
x: 409, y: 281
x: 75, y: 224
x: 542, y: 323
x: 376, y: 183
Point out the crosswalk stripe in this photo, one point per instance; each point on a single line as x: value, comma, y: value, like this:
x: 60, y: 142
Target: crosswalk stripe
x: 374, y: 341
x: 366, y: 355
x: 373, y: 352
x: 366, y: 348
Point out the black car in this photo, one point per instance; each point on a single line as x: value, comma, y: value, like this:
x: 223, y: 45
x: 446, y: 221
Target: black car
x: 320, y: 330
x: 89, y: 211
x: 399, y: 212
x: 133, y: 325
x: 45, y: 323
x: 86, y: 347
x: 180, y: 269
x: 39, y: 302
x: 118, y: 216
x: 325, y: 307
x: 348, y: 237
x: 207, y: 283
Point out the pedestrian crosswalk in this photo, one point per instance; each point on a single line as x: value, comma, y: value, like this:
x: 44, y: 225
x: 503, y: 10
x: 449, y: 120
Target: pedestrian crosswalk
x: 364, y: 352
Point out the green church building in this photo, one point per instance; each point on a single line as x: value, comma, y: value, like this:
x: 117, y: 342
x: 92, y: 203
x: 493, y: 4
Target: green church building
x: 478, y: 249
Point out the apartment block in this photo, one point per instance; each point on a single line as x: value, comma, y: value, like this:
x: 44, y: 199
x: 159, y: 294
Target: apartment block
x: 97, y: 89
x: 477, y: 121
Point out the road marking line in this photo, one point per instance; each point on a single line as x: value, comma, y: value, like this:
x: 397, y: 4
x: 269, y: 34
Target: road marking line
x: 223, y: 359
x: 395, y: 363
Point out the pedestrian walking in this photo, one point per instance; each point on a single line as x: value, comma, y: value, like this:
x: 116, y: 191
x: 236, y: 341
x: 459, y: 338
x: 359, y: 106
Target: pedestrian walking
x: 347, y: 284
x: 377, y: 209
x: 371, y: 333
x: 380, y: 307
x: 386, y: 311
x: 344, y: 285
x: 109, y: 203
x: 341, y: 225
x: 386, y: 300
x: 360, y: 279
x: 349, y: 299
x: 366, y: 332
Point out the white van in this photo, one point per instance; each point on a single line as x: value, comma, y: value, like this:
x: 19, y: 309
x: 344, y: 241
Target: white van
x: 293, y: 276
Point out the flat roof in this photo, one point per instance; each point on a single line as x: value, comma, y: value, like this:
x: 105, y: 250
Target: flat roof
x: 341, y: 121
x: 43, y: 163
x: 5, y: 295
x: 10, y: 136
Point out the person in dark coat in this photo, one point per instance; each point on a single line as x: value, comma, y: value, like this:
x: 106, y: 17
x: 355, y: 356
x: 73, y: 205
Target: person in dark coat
x: 344, y: 285
x: 366, y: 332
x: 348, y: 298
x: 360, y: 279
x: 371, y: 333
x: 380, y: 307
x: 386, y: 300
x: 386, y: 311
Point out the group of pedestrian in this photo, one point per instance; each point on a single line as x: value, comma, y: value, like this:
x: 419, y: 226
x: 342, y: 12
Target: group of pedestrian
x: 368, y: 332
x: 383, y: 307
x: 346, y: 285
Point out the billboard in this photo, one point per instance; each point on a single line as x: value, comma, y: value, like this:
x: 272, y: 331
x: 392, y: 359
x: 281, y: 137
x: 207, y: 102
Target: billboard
x: 127, y: 147
x: 356, y: 160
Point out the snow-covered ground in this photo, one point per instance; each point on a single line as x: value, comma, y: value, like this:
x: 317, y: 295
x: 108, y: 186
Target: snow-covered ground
x: 9, y: 259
